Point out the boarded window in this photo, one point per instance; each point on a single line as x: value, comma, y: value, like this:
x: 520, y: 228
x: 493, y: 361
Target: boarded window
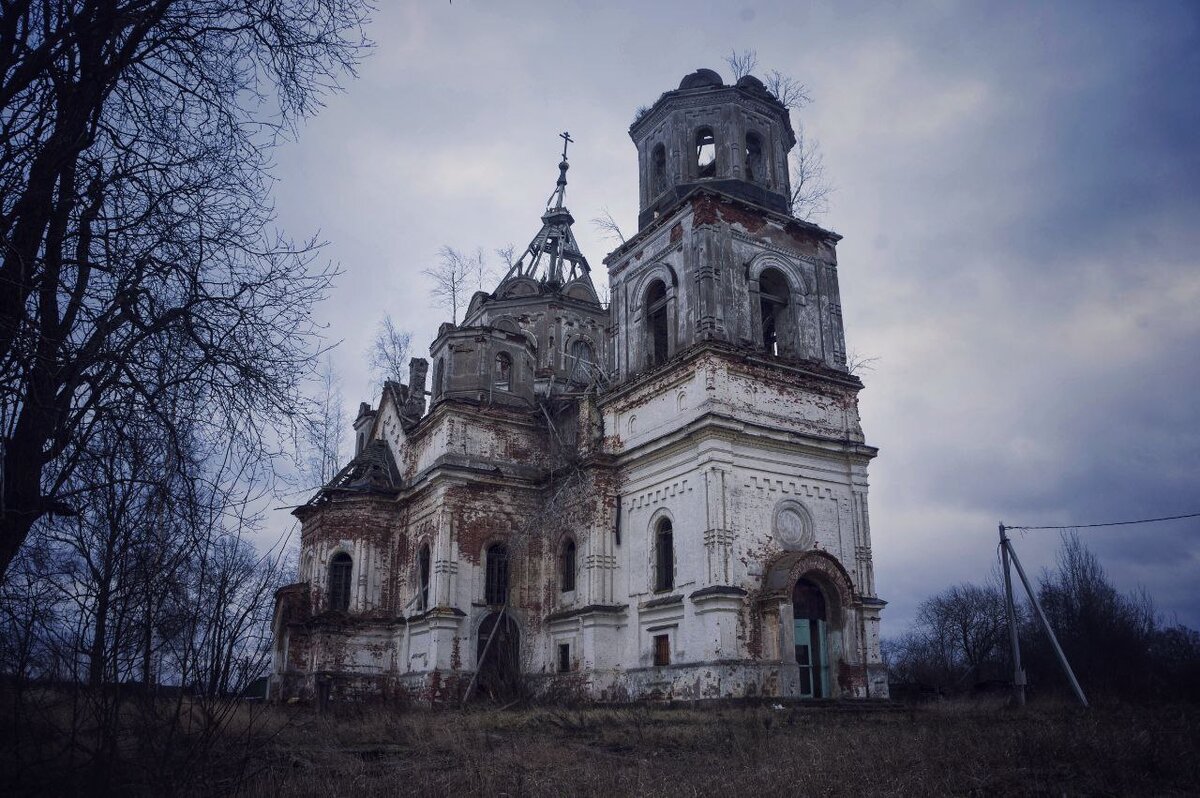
x: 339, y: 582
x: 662, y: 650
x: 664, y: 556
x: 503, y: 378
x: 439, y: 377
x: 772, y: 303
x: 656, y: 320
x: 495, y: 590
x: 706, y: 153
x: 423, y: 575
x: 566, y: 566
x: 658, y: 171
x: 582, y: 355
x: 755, y: 172
x: 564, y: 657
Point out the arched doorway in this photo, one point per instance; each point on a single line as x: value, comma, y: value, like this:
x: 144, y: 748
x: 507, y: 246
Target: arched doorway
x: 810, y: 617
x: 499, y: 661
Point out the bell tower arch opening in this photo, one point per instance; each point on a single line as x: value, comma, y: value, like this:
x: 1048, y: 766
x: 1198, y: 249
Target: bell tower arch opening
x: 755, y: 172
x: 773, y: 309
x: 706, y: 153
x: 658, y: 337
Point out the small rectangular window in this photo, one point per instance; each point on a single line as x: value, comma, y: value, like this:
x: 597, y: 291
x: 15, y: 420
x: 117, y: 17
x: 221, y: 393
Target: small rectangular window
x: 662, y: 650
x: 564, y: 657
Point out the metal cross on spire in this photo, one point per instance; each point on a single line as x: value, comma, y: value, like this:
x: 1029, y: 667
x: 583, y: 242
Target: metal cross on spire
x: 560, y: 190
x: 554, y: 252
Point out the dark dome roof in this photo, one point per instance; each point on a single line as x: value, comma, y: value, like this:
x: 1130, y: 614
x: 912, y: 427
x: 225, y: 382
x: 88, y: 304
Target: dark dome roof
x: 751, y: 82
x: 701, y: 78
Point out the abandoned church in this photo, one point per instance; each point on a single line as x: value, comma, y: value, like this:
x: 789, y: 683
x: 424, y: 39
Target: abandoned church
x: 664, y: 498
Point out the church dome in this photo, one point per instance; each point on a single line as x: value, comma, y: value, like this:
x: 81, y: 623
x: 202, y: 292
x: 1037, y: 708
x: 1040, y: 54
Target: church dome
x: 700, y: 79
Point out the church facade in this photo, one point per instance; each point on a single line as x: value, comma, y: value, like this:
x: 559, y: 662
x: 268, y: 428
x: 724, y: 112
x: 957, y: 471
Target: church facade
x: 664, y: 498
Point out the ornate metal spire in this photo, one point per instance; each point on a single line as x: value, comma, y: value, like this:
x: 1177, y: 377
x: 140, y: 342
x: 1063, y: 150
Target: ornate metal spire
x: 553, y: 257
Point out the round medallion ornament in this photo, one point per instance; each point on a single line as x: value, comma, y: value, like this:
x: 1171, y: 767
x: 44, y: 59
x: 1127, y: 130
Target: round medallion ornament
x: 793, y: 528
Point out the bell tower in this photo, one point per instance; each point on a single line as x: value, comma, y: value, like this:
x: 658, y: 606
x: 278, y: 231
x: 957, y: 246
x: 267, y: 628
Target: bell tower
x: 734, y: 139
x: 730, y: 411
x: 718, y: 255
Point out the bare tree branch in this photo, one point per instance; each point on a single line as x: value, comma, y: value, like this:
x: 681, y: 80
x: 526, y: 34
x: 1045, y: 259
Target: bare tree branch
x: 388, y: 355
x: 742, y: 63
x: 810, y: 187
x: 608, y: 226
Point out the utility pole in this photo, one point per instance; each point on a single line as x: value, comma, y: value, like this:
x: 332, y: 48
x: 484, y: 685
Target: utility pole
x: 1014, y: 641
x: 1037, y: 605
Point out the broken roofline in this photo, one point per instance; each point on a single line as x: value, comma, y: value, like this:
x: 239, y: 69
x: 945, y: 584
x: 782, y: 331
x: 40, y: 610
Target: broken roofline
x: 783, y: 218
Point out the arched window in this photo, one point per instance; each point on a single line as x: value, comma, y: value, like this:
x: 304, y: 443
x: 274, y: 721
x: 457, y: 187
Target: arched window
x: 566, y: 566
x: 495, y: 588
x: 658, y: 171
x: 423, y: 576
x: 439, y: 375
x: 339, y: 582
x: 772, y: 305
x: 656, y: 322
x: 755, y: 172
x: 706, y: 153
x: 809, y: 615
x: 503, y: 376
x: 664, y: 556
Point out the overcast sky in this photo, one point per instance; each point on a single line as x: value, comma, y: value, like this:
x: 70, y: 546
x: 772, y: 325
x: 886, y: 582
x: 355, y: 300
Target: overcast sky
x: 1019, y: 191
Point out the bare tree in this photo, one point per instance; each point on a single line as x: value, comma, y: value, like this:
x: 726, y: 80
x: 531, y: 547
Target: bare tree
x: 810, y: 187
x: 326, y: 427
x: 608, y: 226
x: 388, y: 355
x: 791, y: 93
x: 136, y: 224
x: 507, y: 255
x: 857, y: 363
x: 450, y: 279
x: 742, y: 63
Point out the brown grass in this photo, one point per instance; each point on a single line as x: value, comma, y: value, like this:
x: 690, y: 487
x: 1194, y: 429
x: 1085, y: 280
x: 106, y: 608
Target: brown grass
x: 969, y: 748
x: 958, y: 749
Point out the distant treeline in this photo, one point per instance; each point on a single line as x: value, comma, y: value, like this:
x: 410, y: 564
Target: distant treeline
x: 1117, y: 644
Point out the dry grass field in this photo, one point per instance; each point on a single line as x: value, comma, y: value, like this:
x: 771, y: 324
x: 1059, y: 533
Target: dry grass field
x: 948, y: 749
x: 944, y: 749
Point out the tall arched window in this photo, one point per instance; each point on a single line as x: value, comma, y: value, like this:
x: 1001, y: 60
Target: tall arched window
x: 566, y: 566
x: 503, y: 376
x: 658, y: 171
x: 495, y: 587
x: 339, y: 582
x: 664, y: 556
x: 656, y: 322
x: 423, y: 575
x: 755, y: 172
x: 706, y: 153
x: 772, y: 305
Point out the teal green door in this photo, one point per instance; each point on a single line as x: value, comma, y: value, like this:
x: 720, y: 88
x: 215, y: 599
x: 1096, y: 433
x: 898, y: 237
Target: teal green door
x: 813, y: 658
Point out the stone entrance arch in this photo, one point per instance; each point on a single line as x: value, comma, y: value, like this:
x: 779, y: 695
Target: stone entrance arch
x: 810, y: 601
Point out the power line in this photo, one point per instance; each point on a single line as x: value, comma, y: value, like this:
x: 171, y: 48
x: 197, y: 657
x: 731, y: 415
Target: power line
x: 1109, y: 523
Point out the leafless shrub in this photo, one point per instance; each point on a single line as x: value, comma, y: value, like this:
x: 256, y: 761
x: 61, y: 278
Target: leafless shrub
x: 742, y: 63
x: 608, y: 227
